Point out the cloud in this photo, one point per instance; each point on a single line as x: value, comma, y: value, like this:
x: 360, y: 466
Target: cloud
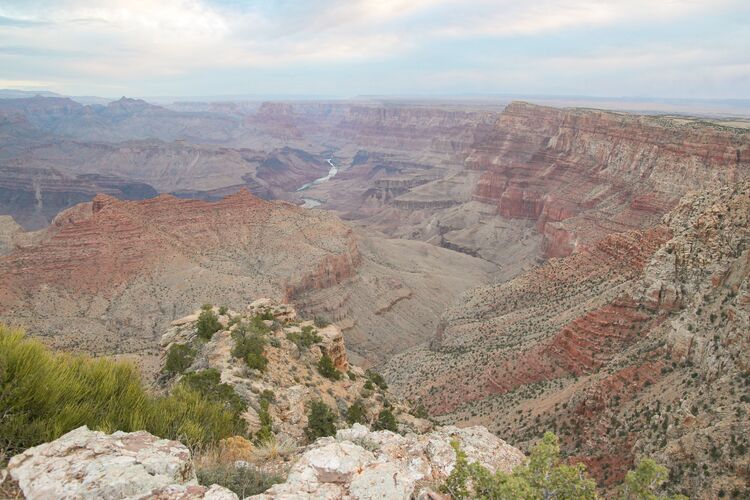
x: 135, y: 42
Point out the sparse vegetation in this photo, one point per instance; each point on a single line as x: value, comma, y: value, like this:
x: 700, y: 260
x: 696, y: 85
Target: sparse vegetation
x: 376, y: 379
x: 208, y: 323
x: 543, y: 477
x: 356, y: 414
x: 327, y: 368
x: 304, y: 339
x: 321, y: 322
x: 386, y: 421
x: 244, y: 481
x: 249, y: 344
x: 179, y: 358
x: 321, y: 421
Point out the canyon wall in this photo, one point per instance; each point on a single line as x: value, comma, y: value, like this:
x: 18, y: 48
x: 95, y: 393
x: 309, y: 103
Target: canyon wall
x: 633, y: 346
x: 581, y: 174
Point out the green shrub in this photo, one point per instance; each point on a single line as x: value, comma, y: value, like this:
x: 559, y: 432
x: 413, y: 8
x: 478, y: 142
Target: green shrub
x: 179, y: 358
x: 207, y: 324
x: 265, y: 433
x: 543, y: 476
x: 43, y: 395
x: 645, y: 481
x: 249, y: 345
x: 223, y: 310
x: 386, y: 421
x: 321, y: 322
x: 376, y: 378
x: 321, y: 421
x: 356, y: 414
x: 327, y: 368
x: 208, y: 384
x: 244, y: 481
x: 267, y: 314
x: 306, y: 338
x: 420, y: 411
x: 368, y: 385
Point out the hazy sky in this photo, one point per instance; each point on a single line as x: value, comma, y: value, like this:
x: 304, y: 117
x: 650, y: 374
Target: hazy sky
x: 662, y: 48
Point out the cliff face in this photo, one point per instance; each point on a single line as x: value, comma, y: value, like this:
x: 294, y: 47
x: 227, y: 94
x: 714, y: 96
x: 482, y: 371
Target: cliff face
x: 101, y: 262
x: 34, y: 196
x: 583, y: 173
x: 635, y: 346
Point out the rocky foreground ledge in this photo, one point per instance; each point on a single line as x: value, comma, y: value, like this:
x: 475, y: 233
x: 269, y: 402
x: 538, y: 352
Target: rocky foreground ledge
x: 356, y: 464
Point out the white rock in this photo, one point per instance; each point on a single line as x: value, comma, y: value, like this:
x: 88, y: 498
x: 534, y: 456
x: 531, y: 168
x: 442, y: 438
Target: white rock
x: 188, y: 492
x: 384, y: 480
x: 85, y: 464
x: 393, y: 468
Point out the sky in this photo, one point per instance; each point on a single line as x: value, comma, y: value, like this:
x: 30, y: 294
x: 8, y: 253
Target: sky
x: 346, y: 48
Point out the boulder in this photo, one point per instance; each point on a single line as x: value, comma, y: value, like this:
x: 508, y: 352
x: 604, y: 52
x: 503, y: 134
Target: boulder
x: 363, y: 464
x: 85, y: 464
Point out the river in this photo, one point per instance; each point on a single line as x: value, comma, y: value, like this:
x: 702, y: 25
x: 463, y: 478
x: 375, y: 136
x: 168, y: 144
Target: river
x: 312, y: 202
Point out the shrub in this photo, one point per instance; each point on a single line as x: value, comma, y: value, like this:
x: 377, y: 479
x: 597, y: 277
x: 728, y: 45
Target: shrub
x: 244, y: 481
x: 544, y: 476
x: 223, y: 310
x: 304, y: 339
x: 208, y: 384
x: 420, y: 411
x: 368, y: 385
x: 265, y: 432
x: 321, y: 322
x: 321, y: 421
x: 249, y: 345
x: 207, y: 324
x: 179, y: 358
x: 43, y: 395
x: 644, y: 482
x: 327, y: 368
x: 376, y: 379
x: 386, y: 421
x: 356, y: 414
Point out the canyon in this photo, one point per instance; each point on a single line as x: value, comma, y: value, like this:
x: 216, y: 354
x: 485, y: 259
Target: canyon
x: 521, y: 267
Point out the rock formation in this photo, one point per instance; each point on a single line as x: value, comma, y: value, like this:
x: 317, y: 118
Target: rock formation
x: 635, y: 346
x: 359, y: 463
x: 85, y: 464
x: 581, y: 174
x: 291, y: 375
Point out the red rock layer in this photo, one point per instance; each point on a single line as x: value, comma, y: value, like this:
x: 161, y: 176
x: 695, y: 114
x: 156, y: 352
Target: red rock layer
x: 619, y: 171
x: 98, y: 246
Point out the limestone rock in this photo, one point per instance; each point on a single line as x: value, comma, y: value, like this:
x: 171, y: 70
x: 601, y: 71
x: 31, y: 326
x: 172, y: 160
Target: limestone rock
x: 187, y: 492
x: 86, y: 464
x: 363, y: 464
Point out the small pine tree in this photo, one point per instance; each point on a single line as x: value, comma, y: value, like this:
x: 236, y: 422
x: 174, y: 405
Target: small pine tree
x: 208, y: 324
x: 377, y: 379
x: 321, y: 421
x: 644, y: 482
x: 356, y: 413
x: 327, y: 368
x: 179, y: 358
x: 386, y: 421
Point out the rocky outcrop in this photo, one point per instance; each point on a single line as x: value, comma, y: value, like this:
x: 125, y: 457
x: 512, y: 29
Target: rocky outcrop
x: 85, y: 464
x: 571, y: 167
x: 292, y: 373
x: 358, y: 463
